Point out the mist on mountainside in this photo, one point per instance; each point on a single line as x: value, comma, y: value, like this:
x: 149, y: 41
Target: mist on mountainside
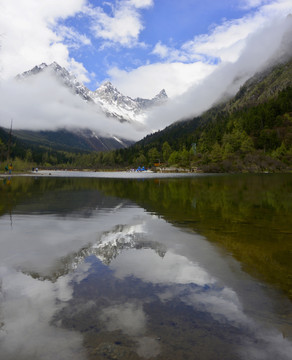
x: 42, y: 103
x: 264, y: 49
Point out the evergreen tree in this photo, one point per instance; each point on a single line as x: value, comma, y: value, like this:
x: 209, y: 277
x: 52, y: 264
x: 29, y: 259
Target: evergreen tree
x: 166, y: 151
x: 153, y: 156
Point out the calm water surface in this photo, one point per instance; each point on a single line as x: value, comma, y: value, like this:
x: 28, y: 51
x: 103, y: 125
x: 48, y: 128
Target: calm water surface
x: 146, y: 268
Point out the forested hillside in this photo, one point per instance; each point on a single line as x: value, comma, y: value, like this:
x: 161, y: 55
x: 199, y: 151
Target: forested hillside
x: 251, y: 132
x: 26, y: 153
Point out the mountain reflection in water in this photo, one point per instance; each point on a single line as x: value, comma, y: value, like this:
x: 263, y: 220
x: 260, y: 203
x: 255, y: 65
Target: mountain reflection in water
x: 88, y: 275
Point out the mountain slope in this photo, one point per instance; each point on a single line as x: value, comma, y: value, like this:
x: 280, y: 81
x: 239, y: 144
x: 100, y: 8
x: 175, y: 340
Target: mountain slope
x: 77, y: 140
x: 259, y: 89
x: 257, y: 121
x: 263, y: 86
x: 61, y: 74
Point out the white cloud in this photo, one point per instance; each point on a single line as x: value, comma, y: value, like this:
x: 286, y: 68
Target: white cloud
x: 128, y: 317
x: 73, y: 38
x: 28, y: 306
x: 249, y: 4
x: 43, y: 103
x: 139, y: 4
x: 161, y: 50
x: 228, y: 41
x: 78, y: 68
x: 171, y: 269
x: 147, y: 81
x: 30, y: 34
x: 175, y: 55
x: 225, y: 42
x: 123, y: 25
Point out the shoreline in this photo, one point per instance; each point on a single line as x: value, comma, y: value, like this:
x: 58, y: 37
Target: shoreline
x: 126, y: 174
x: 101, y: 174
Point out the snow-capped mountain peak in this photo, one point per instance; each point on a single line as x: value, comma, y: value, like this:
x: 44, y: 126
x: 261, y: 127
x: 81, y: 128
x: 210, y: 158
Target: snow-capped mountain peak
x: 115, y: 104
x: 63, y: 75
x: 161, y: 96
x: 107, y: 86
x: 106, y: 97
x: 39, y: 68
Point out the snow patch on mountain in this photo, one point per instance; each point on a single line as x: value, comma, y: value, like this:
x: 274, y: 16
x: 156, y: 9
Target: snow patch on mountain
x: 123, y: 107
x: 107, y: 98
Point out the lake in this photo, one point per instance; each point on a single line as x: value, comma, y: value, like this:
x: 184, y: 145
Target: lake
x: 146, y: 266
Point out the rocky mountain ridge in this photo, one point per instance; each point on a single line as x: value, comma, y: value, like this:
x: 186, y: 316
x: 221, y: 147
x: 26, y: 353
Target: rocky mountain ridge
x: 106, y: 100
x: 112, y: 102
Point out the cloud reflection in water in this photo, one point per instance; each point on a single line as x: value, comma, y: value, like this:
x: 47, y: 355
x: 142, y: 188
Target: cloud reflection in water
x: 27, y: 307
x: 145, y: 281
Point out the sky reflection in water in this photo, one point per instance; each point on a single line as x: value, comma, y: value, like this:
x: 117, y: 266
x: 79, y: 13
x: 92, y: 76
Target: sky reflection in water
x: 123, y: 282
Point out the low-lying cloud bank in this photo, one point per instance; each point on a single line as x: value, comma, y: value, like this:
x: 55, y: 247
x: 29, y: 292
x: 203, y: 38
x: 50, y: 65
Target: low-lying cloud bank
x: 270, y: 45
x: 43, y: 103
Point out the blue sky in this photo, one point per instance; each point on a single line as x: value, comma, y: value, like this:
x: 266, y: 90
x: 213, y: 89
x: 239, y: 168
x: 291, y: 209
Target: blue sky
x: 169, y: 22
